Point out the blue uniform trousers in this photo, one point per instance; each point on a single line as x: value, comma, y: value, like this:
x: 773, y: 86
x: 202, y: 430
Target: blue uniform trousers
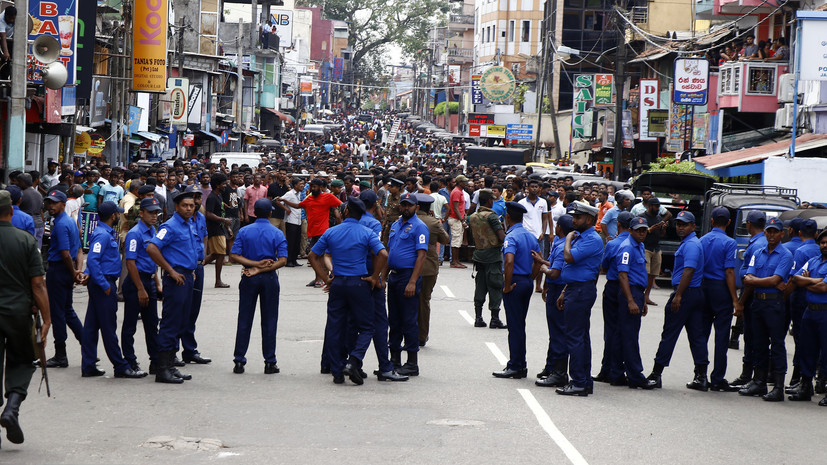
x: 264, y: 288
x: 689, y: 316
x: 769, y: 328
x: 188, y: 334
x: 626, y: 347
x: 403, y: 312
x: 346, y: 306
x: 149, y: 318
x: 177, y: 302
x: 380, y: 331
x: 717, y: 313
x: 749, y: 354
x: 555, y: 319
x: 516, y: 308
x: 610, y: 304
x: 812, y: 341
x: 798, y: 305
x: 577, y: 308
x: 59, y: 284
x: 102, y: 316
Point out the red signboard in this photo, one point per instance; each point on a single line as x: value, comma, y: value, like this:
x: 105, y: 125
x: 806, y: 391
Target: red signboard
x: 480, y: 118
x: 473, y: 130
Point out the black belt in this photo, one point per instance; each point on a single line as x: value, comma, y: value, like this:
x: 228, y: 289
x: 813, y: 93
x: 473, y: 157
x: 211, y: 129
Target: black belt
x: 766, y: 295
x: 145, y: 275
x: 110, y: 277
x: 352, y: 278
x: 402, y: 270
x: 582, y: 283
x: 181, y: 269
x: 817, y: 307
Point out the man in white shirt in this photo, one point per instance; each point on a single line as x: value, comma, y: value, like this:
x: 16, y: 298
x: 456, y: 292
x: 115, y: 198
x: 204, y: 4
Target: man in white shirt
x: 640, y: 208
x: 439, y: 201
x: 535, y: 220
x: 293, y: 222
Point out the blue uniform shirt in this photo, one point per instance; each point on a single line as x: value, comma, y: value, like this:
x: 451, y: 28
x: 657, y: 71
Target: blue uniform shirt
x: 176, y: 241
x: 587, y: 250
x: 22, y: 220
x: 405, y: 240
x: 520, y: 243
x: 793, y: 244
x: 719, y: 254
x: 104, y: 257
x: 199, y: 223
x: 348, y: 244
x: 631, y: 259
x: 808, y: 250
x: 818, y: 269
x: 260, y: 241
x: 755, y: 242
x: 135, y: 243
x: 65, y: 236
x: 374, y: 225
x: 765, y: 263
x: 610, y: 253
x: 609, y: 221
x: 690, y: 254
x: 557, y: 259
x: 499, y: 208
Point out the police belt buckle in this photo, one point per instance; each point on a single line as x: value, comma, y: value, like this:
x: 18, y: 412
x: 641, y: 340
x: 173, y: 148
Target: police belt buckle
x: 767, y: 295
x: 817, y: 307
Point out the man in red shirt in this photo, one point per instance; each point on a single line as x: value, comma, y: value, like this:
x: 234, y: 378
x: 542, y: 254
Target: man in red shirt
x: 603, y: 205
x: 456, y: 219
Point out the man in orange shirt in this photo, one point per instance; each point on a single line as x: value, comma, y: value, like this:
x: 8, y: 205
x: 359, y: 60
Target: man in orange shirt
x: 603, y: 205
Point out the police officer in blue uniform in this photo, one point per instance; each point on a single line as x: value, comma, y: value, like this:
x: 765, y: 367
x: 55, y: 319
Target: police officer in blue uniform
x: 520, y: 270
x: 812, y: 339
x: 794, y: 232
x: 555, y: 373
x: 768, y: 271
x: 61, y: 276
x: 190, y: 353
x: 350, y: 287
x: 103, y: 266
x: 720, y: 294
x: 407, y: 247
x: 755, y: 227
x: 582, y: 252
x: 798, y: 299
x: 261, y: 249
x: 685, y: 306
x: 140, y: 293
x: 174, y: 249
x: 632, y: 277
x: 611, y: 294
x: 20, y: 219
x: 387, y: 371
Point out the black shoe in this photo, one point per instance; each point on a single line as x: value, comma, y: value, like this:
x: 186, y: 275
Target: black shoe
x: 56, y: 362
x: 511, y: 373
x: 657, y: 379
x: 391, y: 376
x: 496, y: 323
x: 178, y: 374
x: 409, y: 369
x: 92, y: 374
x: 554, y: 379
x: 197, y: 359
x: 363, y: 374
x: 271, y: 368
x: 544, y: 374
x: 723, y: 386
x: 821, y: 386
x: 734, y: 344
x: 238, y: 368
x: 177, y: 362
x: 622, y: 381
x: 9, y: 420
x: 804, y: 393
x: 479, y: 322
x: 777, y: 393
x: 153, y: 368
x: 754, y: 388
x: 312, y: 284
x: 601, y: 377
x: 325, y: 370
x: 422, y: 343
x: 572, y: 390
x: 353, y: 374
x: 699, y: 383
x: 135, y: 366
x: 794, y: 387
x: 296, y: 263
x: 338, y: 380
x: 823, y: 402
x: 129, y: 373
x: 290, y: 265
x: 646, y: 385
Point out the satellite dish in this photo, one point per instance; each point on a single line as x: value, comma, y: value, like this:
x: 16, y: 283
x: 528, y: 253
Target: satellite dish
x: 54, y: 75
x: 46, y: 49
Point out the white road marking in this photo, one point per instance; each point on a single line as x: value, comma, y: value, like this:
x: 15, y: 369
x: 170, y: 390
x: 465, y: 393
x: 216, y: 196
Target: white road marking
x: 498, y: 354
x: 550, y: 428
x: 467, y: 317
x: 447, y: 291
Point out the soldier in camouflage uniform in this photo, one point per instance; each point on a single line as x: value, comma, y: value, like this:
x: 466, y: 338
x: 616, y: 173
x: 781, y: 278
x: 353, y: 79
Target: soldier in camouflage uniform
x: 392, y: 211
x: 430, y: 269
x: 133, y: 214
x: 488, y: 235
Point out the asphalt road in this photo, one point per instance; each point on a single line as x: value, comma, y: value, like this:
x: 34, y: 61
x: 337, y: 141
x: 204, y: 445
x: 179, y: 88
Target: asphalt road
x: 454, y: 412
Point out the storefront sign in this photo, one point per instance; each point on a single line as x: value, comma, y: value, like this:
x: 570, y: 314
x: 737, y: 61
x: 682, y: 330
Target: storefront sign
x: 480, y: 118
x: 99, y: 104
x: 495, y: 131
x: 56, y: 18
x: 649, y: 100
x: 476, y: 92
x: 179, y: 96
x: 691, y: 81
x: 149, y: 46
x: 657, y: 120
x: 603, y: 89
x: 581, y: 121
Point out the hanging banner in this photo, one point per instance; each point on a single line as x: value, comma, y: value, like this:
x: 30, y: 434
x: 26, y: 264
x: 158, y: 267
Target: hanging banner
x: 603, y: 89
x: 338, y: 68
x: 179, y: 95
x: 700, y: 131
x: 476, y: 92
x: 99, y: 101
x: 649, y: 100
x: 306, y: 86
x: 581, y: 121
x: 678, y: 119
x: 149, y: 46
x: 691, y: 77
x: 657, y: 119
x: 56, y: 18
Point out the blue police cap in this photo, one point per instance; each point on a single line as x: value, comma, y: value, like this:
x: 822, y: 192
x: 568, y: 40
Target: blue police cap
x: 396, y: 182
x: 354, y: 204
x: 756, y: 217
x: 795, y: 223
x: 408, y: 198
x: 368, y: 197
x: 107, y: 208
x: 515, y: 208
x: 424, y: 199
x: 57, y: 196
x: 150, y: 205
x: 720, y: 213
x: 774, y: 223
x: 566, y: 223
x: 625, y: 218
x: 685, y: 217
x: 146, y: 189
x: 809, y: 227
x: 554, y: 193
x: 183, y: 195
x: 15, y: 193
x: 638, y: 223
x: 263, y: 205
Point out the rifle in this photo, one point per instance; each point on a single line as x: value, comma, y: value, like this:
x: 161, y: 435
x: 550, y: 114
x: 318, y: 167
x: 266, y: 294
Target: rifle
x: 40, y: 351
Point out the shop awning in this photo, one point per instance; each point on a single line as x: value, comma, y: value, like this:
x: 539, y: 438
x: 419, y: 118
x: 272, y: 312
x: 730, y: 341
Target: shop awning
x: 711, y: 163
x: 81, y: 129
x: 214, y: 136
x: 282, y: 116
x: 150, y: 136
x: 655, y: 54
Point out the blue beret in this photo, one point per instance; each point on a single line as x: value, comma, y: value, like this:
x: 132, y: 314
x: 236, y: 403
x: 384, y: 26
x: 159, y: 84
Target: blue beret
x: 409, y: 198
x: 424, y: 199
x: 354, y: 204
x: 638, y: 223
x: 264, y: 205
x: 809, y: 226
x: 55, y: 196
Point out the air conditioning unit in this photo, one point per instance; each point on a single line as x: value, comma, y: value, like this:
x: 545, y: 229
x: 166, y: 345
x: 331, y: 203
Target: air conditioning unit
x: 786, y: 87
x: 789, y: 120
x: 781, y: 119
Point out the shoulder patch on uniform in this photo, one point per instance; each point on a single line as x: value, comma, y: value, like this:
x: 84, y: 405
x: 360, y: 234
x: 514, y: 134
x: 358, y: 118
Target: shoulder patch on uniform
x: 625, y: 258
x: 421, y: 238
x: 133, y: 245
x: 806, y: 266
x: 505, y: 244
x: 752, y: 261
x: 162, y: 233
x: 97, y: 247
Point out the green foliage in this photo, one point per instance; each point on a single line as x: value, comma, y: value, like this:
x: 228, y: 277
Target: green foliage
x: 453, y: 108
x: 668, y: 164
x: 404, y: 105
x: 439, y: 109
x: 519, y: 97
x: 546, y: 105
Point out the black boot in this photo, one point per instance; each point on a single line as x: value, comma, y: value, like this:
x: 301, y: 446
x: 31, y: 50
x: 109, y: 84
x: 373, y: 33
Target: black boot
x: 396, y: 359
x: 758, y: 385
x: 163, y: 366
x: 558, y: 377
x: 777, y: 393
x: 411, y: 367
x: 9, y: 420
x: 700, y: 382
x: 744, y: 378
x: 495, y: 322
x: 655, y: 375
x: 804, y: 393
x: 59, y: 360
x: 821, y: 385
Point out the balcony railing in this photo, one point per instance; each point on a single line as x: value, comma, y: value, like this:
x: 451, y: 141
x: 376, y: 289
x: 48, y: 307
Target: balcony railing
x: 461, y: 19
x: 460, y: 52
x: 755, y: 78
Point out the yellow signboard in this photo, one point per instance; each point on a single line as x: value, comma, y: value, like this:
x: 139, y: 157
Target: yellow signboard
x: 149, y: 46
x: 82, y: 142
x: 495, y: 130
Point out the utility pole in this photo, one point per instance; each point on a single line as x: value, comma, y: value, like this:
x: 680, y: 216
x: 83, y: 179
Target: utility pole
x: 180, y: 49
x: 239, y: 88
x: 430, y: 83
x: 15, y: 155
x: 620, y: 79
x: 540, y: 88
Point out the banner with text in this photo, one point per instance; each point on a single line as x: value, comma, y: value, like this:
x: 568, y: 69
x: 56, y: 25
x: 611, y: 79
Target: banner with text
x: 149, y: 46
x: 649, y: 100
x: 581, y: 121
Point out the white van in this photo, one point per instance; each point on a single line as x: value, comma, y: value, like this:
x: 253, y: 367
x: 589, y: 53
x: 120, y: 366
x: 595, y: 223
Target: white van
x: 251, y: 159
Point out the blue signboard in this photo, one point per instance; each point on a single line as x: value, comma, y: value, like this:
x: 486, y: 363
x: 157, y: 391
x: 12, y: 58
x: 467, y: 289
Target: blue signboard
x: 691, y: 81
x: 519, y: 131
x: 134, y: 119
x: 476, y: 91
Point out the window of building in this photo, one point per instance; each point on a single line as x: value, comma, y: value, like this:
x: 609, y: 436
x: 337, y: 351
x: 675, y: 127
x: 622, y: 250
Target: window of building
x: 593, y: 21
x: 572, y: 21
x: 526, y: 32
x: 761, y: 80
x: 511, y: 31
x: 594, y: 4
